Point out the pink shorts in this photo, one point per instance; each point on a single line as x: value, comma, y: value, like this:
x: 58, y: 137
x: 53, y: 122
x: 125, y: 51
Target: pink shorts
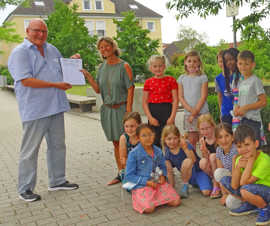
x: 147, y: 197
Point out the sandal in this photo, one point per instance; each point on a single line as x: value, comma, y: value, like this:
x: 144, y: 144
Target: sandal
x: 116, y: 180
x: 216, y: 193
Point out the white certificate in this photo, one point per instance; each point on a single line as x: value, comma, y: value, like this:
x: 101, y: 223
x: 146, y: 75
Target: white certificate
x: 71, y: 71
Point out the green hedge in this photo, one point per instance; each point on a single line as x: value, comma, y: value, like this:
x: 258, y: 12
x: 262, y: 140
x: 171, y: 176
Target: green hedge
x: 265, y: 113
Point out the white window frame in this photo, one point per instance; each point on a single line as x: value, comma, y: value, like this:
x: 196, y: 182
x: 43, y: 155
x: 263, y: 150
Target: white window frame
x: 102, y: 25
x: 101, y: 2
x: 26, y: 23
x: 90, y: 4
x: 90, y: 26
x: 154, y: 26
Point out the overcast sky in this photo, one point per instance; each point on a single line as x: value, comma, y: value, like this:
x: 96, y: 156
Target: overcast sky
x: 216, y: 27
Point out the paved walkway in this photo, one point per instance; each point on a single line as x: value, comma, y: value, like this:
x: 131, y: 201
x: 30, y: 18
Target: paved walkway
x: 90, y: 163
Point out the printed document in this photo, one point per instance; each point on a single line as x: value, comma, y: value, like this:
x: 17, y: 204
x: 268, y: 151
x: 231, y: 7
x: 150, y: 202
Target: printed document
x: 71, y: 71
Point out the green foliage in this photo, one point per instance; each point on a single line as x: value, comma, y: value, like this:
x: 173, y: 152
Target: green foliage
x: 265, y: 113
x: 259, y: 9
x: 4, y: 71
x: 174, y: 71
x: 212, y: 101
x: 261, y: 50
x: 8, y: 34
x: 134, y: 43
x: 68, y: 33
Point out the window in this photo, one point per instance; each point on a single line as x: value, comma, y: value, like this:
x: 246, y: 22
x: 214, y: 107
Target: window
x: 86, y: 4
x: 133, y: 6
x: 39, y: 3
x: 26, y: 23
x: 91, y: 27
x: 100, y: 28
x: 151, y: 26
x: 99, y: 4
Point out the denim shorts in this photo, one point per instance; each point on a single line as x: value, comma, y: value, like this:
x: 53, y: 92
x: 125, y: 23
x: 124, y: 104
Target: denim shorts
x: 226, y: 183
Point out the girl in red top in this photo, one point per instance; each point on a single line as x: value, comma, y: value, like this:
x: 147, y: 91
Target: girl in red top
x: 160, y: 99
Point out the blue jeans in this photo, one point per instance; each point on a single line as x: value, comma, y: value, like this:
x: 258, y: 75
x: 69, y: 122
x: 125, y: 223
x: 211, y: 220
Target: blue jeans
x: 52, y: 128
x: 256, y: 189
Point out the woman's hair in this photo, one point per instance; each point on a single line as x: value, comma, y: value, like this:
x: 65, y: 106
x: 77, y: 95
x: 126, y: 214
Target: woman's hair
x: 223, y: 126
x: 132, y: 115
x: 196, y: 54
x: 156, y: 57
x: 168, y: 129
x: 234, y: 53
x: 112, y: 43
x: 206, y: 118
x: 143, y: 126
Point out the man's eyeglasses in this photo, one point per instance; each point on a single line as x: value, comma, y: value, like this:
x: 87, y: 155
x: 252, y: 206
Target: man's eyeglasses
x: 39, y: 31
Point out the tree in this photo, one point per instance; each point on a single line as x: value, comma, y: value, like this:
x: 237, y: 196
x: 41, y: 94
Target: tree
x: 134, y: 43
x: 189, y: 38
x: 260, y: 9
x: 4, y: 3
x: 68, y: 33
x: 7, y: 34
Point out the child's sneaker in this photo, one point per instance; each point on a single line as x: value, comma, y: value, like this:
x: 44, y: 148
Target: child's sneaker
x: 184, y: 191
x: 244, y: 209
x: 264, y: 216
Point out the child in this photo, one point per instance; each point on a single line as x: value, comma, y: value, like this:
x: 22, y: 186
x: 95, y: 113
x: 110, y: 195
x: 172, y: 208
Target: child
x: 180, y: 154
x: 208, y: 163
x: 193, y: 90
x: 129, y: 139
x: 225, y: 151
x: 251, y: 94
x: 146, y: 173
x: 250, y: 179
x: 225, y: 98
x: 160, y: 99
x: 232, y: 78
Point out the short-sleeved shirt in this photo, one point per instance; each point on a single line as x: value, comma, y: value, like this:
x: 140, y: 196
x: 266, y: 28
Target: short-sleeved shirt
x: 249, y: 90
x: 226, y: 159
x: 160, y: 89
x: 25, y: 62
x: 260, y: 169
x: 227, y: 97
x: 177, y: 160
x: 192, y: 86
x: 129, y: 145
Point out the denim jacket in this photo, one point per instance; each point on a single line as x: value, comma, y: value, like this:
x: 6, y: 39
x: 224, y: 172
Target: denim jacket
x: 140, y: 166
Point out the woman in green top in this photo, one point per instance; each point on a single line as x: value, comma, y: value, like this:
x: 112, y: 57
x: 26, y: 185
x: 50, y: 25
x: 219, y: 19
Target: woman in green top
x: 115, y: 84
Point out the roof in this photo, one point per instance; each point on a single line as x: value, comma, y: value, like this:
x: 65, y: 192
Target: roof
x: 120, y: 6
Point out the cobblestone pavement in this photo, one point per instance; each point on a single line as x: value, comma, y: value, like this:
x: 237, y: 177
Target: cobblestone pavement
x: 90, y: 163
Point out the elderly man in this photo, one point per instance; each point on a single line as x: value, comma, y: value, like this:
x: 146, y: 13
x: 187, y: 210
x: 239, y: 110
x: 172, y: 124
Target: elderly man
x: 40, y: 92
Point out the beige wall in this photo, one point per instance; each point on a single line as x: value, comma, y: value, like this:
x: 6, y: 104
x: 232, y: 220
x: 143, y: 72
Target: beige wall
x: 108, y: 7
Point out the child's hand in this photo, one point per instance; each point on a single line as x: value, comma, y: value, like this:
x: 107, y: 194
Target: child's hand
x: 190, y: 118
x: 162, y: 179
x: 241, y: 111
x: 203, y: 148
x: 151, y: 184
x: 153, y: 121
x: 170, y: 121
x: 242, y: 162
x: 269, y: 126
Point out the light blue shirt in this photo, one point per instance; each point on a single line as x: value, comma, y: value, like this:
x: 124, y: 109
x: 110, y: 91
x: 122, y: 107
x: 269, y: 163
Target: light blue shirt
x: 26, y: 61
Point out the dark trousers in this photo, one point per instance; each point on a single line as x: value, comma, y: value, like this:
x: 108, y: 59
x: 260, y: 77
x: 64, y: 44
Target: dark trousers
x: 161, y: 112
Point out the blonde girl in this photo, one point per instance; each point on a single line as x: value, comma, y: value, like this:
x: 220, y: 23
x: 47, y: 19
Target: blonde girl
x: 129, y: 139
x: 193, y: 91
x: 225, y: 151
x: 181, y: 155
x: 160, y: 99
x: 208, y: 163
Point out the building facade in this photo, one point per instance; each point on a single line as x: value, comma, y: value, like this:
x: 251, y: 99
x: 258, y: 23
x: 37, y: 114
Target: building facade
x: 98, y: 16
